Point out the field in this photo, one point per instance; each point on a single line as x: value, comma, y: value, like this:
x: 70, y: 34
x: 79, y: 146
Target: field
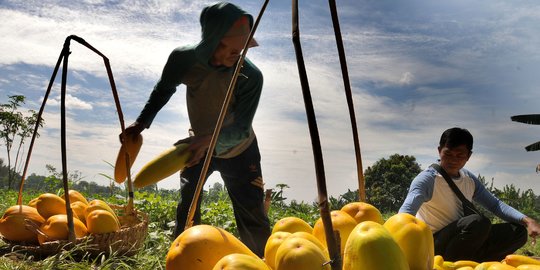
x: 160, y: 207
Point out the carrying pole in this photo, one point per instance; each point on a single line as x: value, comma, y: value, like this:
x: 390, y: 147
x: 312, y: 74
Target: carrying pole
x: 331, y: 241
x: 221, y: 118
x: 63, y: 59
x: 348, y: 94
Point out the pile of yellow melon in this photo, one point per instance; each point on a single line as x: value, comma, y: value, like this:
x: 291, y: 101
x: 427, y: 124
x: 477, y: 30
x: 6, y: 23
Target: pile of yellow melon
x: 44, y: 219
x: 367, y: 242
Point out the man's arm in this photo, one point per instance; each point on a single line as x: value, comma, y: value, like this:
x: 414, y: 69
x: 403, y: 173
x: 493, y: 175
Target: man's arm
x: 178, y: 63
x: 420, y: 191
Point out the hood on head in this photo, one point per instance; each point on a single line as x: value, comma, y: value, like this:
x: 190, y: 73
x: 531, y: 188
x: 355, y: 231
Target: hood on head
x: 216, y: 20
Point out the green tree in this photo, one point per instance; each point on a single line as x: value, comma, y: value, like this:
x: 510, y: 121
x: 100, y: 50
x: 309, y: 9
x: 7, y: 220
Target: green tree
x: 388, y: 181
x: 15, y: 127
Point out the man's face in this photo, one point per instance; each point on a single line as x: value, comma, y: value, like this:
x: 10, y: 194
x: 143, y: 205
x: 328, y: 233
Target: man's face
x: 228, y: 51
x: 453, y: 159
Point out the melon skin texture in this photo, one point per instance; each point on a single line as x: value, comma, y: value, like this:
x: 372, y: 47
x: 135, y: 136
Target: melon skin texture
x: 164, y: 165
x: 132, y: 145
x: 200, y: 247
x: 49, y: 204
x: 362, y: 211
x: 75, y: 196
x: 272, y: 245
x: 415, y: 239
x: 292, y: 225
x: 237, y: 261
x: 97, y: 204
x: 14, y: 224
x: 516, y: 260
x: 56, y: 228
x: 297, y: 253
x: 101, y: 221
x: 370, y: 246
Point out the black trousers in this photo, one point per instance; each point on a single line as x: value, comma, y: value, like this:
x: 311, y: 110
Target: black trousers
x: 242, y: 177
x: 474, y: 238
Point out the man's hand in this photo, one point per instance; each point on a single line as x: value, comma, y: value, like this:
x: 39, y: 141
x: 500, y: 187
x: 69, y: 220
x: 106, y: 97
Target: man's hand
x: 132, y: 130
x: 533, y: 228
x: 198, y: 145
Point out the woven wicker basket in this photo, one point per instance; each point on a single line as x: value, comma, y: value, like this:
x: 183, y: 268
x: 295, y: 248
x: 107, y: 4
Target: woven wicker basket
x: 126, y: 242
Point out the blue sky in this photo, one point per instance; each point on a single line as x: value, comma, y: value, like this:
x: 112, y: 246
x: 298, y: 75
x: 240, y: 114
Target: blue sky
x: 416, y: 68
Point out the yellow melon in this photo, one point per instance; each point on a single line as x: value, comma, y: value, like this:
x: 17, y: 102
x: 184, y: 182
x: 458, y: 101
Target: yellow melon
x: 528, y: 267
x: 101, y: 221
x: 371, y: 246
x: 486, y: 265
x: 501, y: 266
x: 79, y: 210
x: 49, y: 204
x: 237, y: 261
x: 272, y: 244
x: 75, y: 196
x: 98, y: 204
x: 362, y: 211
x: 312, y: 239
x: 516, y: 260
x: 201, y: 247
x: 415, y: 239
x: 165, y: 164
x: 19, y: 224
x: 56, y: 228
x: 292, y: 225
x: 341, y: 222
x: 131, y: 146
x: 300, y: 254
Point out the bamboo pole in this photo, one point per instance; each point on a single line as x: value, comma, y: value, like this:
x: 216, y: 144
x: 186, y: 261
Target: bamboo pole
x: 63, y: 59
x: 217, y: 129
x: 331, y: 241
x: 348, y: 94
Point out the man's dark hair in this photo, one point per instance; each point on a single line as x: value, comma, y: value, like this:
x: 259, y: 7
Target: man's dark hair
x: 454, y: 137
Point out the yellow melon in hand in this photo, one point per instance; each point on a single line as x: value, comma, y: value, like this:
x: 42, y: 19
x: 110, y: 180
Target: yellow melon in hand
x: 362, y: 211
x: 415, y: 239
x: 201, y: 247
x: 56, y: 228
x: 341, y: 222
x: 300, y: 254
x: 101, y: 221
x: 237, y: 261
x: 292, y: 225
x: 19, y: 223
x: 49, y: 204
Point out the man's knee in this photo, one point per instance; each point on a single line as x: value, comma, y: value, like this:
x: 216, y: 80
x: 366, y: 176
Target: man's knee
x: 476, y: 224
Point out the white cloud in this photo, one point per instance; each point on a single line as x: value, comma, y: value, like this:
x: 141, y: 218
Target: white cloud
x: 416, y: 68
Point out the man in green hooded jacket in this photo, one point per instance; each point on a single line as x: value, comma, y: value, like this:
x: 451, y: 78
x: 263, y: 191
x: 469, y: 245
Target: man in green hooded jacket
x: 206, y: 70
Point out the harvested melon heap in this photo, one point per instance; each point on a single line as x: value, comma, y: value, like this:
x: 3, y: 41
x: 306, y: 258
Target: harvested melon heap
x: 44, y: 219
x: 368, y: 242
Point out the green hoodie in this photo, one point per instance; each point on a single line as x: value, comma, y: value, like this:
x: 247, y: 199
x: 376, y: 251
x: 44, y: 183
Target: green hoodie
x: 206, y: 85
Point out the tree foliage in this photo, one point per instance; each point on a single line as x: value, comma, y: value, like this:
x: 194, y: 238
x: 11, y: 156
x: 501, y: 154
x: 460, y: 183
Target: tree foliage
x: 15, y: 128
x: 388, y: 181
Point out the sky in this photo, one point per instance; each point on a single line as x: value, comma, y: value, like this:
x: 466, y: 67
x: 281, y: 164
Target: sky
x: 416, y: 68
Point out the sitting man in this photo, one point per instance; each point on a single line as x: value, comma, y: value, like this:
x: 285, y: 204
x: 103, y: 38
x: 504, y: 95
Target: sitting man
x: 461, y: 234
